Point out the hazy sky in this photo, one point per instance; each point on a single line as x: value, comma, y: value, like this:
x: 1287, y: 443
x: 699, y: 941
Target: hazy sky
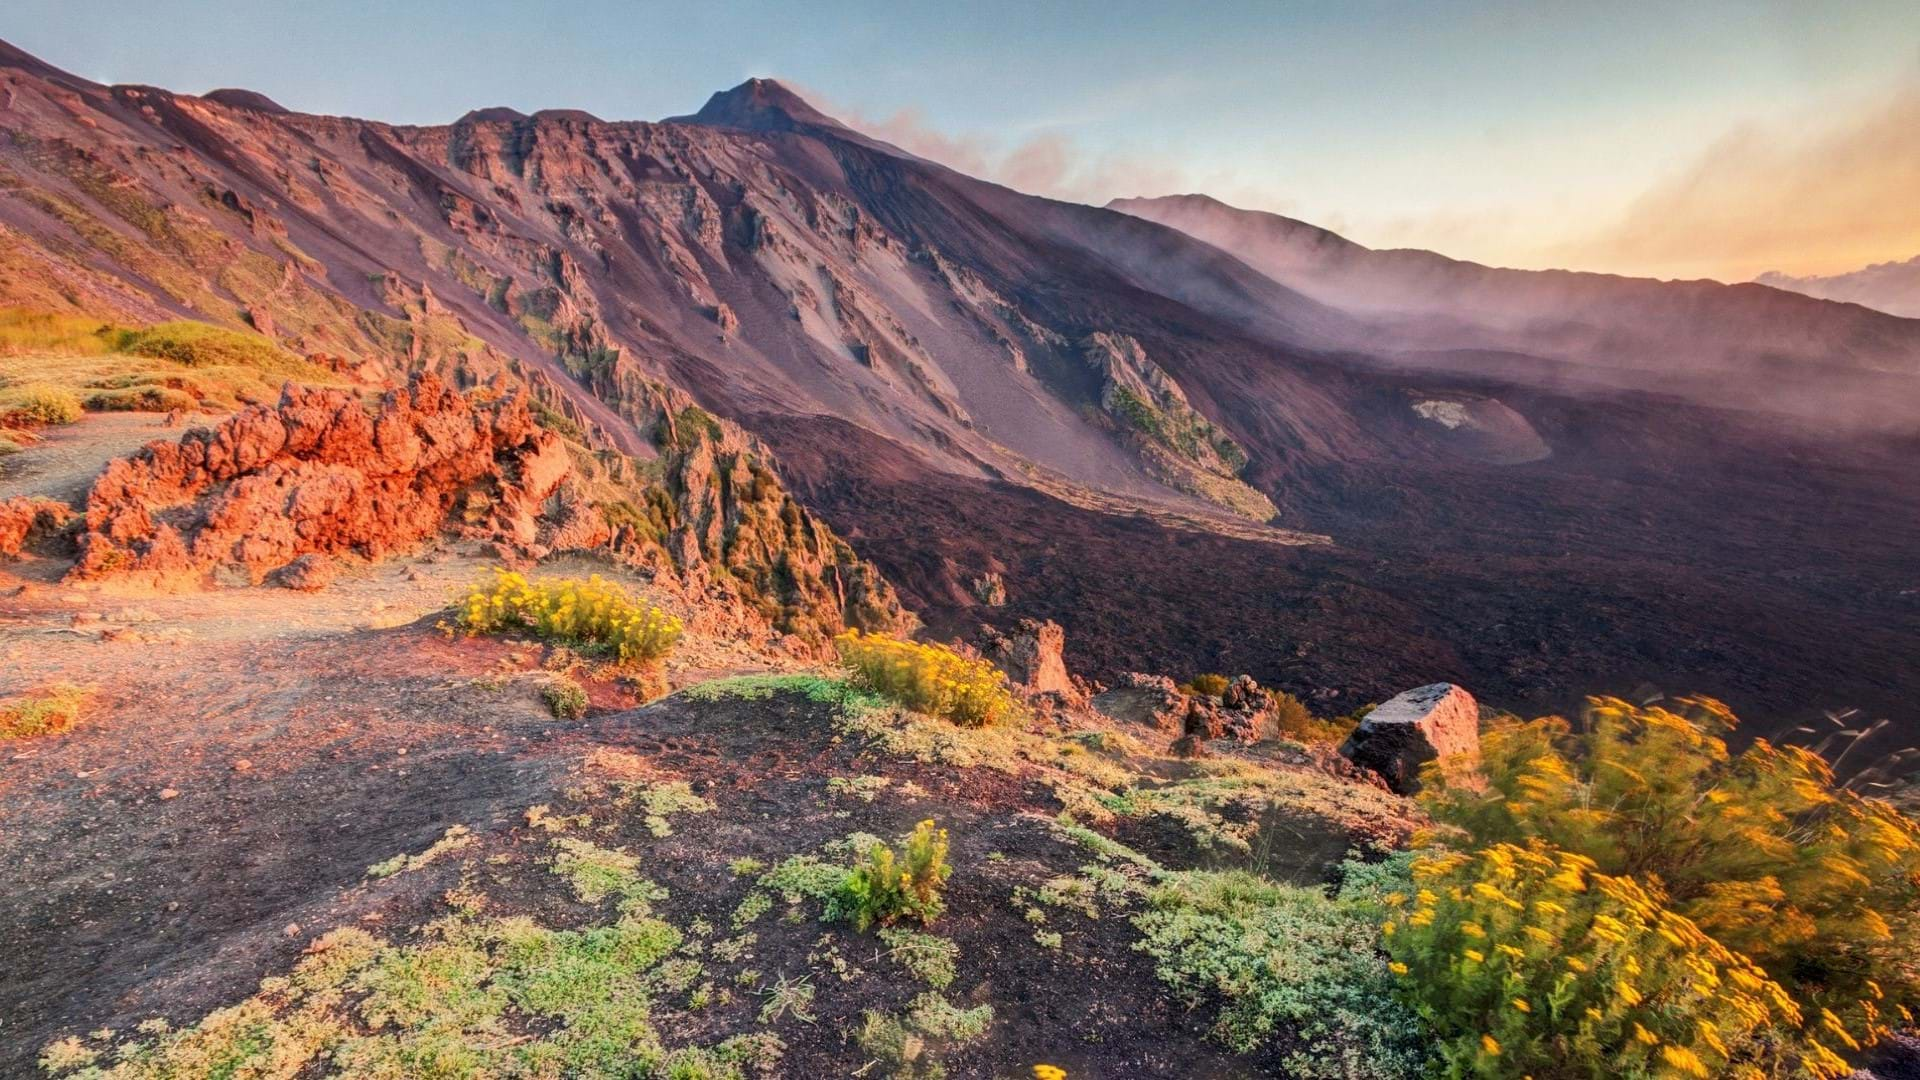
x: 1678, y: 138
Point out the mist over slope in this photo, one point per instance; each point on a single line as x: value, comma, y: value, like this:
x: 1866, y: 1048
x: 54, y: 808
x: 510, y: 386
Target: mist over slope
x: 1747, y: 346
x: 1538, y: 485
x: 1892, y: 287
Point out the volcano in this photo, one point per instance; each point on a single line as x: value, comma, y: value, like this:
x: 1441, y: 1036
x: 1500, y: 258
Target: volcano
x: 1199, y: 438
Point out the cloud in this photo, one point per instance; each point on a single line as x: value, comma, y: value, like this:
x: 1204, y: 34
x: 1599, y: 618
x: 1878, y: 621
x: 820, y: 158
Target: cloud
x: 1047, y: 164
x: 1800, y: 195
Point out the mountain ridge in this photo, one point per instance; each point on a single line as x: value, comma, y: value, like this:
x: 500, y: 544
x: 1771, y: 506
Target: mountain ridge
x: 1047, y: 386
x: 1892, y: 286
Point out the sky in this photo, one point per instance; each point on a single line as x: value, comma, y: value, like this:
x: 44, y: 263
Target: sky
x: 1684, y: 138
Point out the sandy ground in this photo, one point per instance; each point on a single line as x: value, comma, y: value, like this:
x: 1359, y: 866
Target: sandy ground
x: 63, y: 464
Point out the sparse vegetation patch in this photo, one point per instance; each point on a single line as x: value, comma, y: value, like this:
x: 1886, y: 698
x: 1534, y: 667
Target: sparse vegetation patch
x: 928, y: 678
x: 43, y: 712
x: 593, y: 613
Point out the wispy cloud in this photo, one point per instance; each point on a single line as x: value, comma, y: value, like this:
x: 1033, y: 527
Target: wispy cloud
x: 1806, y: 195
x: 1807, y: 192
x: 1048, y: 163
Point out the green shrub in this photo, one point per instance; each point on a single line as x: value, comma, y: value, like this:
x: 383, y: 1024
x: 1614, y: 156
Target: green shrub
x: 1280, y: 959
x: 42, y: 712
x: 1206, y: 685
x: 39, y: 403
x: 908, y: 1046
x: 1817, y: 885
x: 931, y: 959
x: 1527, y: 962
x: 23, y: 331
x: 882, y: 888
x: 197, y: 344
x: 565, y: 699
x: 141, y: 399
x: 1293, y: 720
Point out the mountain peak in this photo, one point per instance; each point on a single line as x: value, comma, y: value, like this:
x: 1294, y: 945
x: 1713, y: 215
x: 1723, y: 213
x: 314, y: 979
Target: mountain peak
x: 759, y: 105
x: 245, y: 99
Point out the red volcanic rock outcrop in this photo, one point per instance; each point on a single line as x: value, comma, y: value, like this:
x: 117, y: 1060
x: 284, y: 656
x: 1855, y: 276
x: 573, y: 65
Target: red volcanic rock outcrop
x: 25, y: 515
x: 1032, y: 656
x: 320, y: 473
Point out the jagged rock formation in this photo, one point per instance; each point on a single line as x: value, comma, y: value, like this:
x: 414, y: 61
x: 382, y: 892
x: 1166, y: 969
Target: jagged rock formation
x: 282, y: 490
x: 321, y: 474
x: 728, y: 521
x: 1032, y: 655
x: 1424, y: 724
x: 26, y: 516
x: 1178, y: 444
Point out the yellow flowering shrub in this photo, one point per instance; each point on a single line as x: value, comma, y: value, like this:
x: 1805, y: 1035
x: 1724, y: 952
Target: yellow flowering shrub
x: 1817, y: 885
x: 932, y: 679
x: 593, y: 613
x: 1528, y: 961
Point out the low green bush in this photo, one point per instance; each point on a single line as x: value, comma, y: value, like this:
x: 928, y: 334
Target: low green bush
x: 1206, y: 685
x: 197, y: 344
x: 565, y: 699
x: 1285, y: 959
x: 39, y: 403
x: 43, y: 712
x: 883, y: 887
x: 141, y: 399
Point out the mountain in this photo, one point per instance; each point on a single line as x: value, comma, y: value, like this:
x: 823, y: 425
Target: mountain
x: 1192, y: 452
x: 1892, y: 287
x: 1744, y: 345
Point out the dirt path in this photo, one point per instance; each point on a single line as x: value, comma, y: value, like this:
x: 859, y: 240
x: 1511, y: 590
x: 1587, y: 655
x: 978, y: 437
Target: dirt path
x: 62, y: 466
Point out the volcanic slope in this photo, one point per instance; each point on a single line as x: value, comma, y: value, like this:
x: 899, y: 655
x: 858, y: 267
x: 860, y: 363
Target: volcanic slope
x: 885, y: 322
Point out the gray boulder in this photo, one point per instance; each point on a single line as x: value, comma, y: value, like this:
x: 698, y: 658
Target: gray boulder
x: 1434, y: 721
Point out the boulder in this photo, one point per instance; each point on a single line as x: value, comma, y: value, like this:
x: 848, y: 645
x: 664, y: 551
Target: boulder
x: 1435, y: 721
x: 1246, y: 709
x: 990, y: 589
x: 1145, y: 699
x: 25, y: 517
x: 308, y: 573
x: 1031, y: 655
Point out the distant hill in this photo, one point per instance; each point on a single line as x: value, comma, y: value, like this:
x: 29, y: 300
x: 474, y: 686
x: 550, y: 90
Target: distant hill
x: 1893, y: 287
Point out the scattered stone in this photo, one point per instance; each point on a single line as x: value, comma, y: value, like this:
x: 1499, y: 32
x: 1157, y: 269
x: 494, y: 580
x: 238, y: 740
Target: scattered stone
x: 990, y: 589
x: 169, y: 793
x: 243, y: 765
x: 1435, y: 721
